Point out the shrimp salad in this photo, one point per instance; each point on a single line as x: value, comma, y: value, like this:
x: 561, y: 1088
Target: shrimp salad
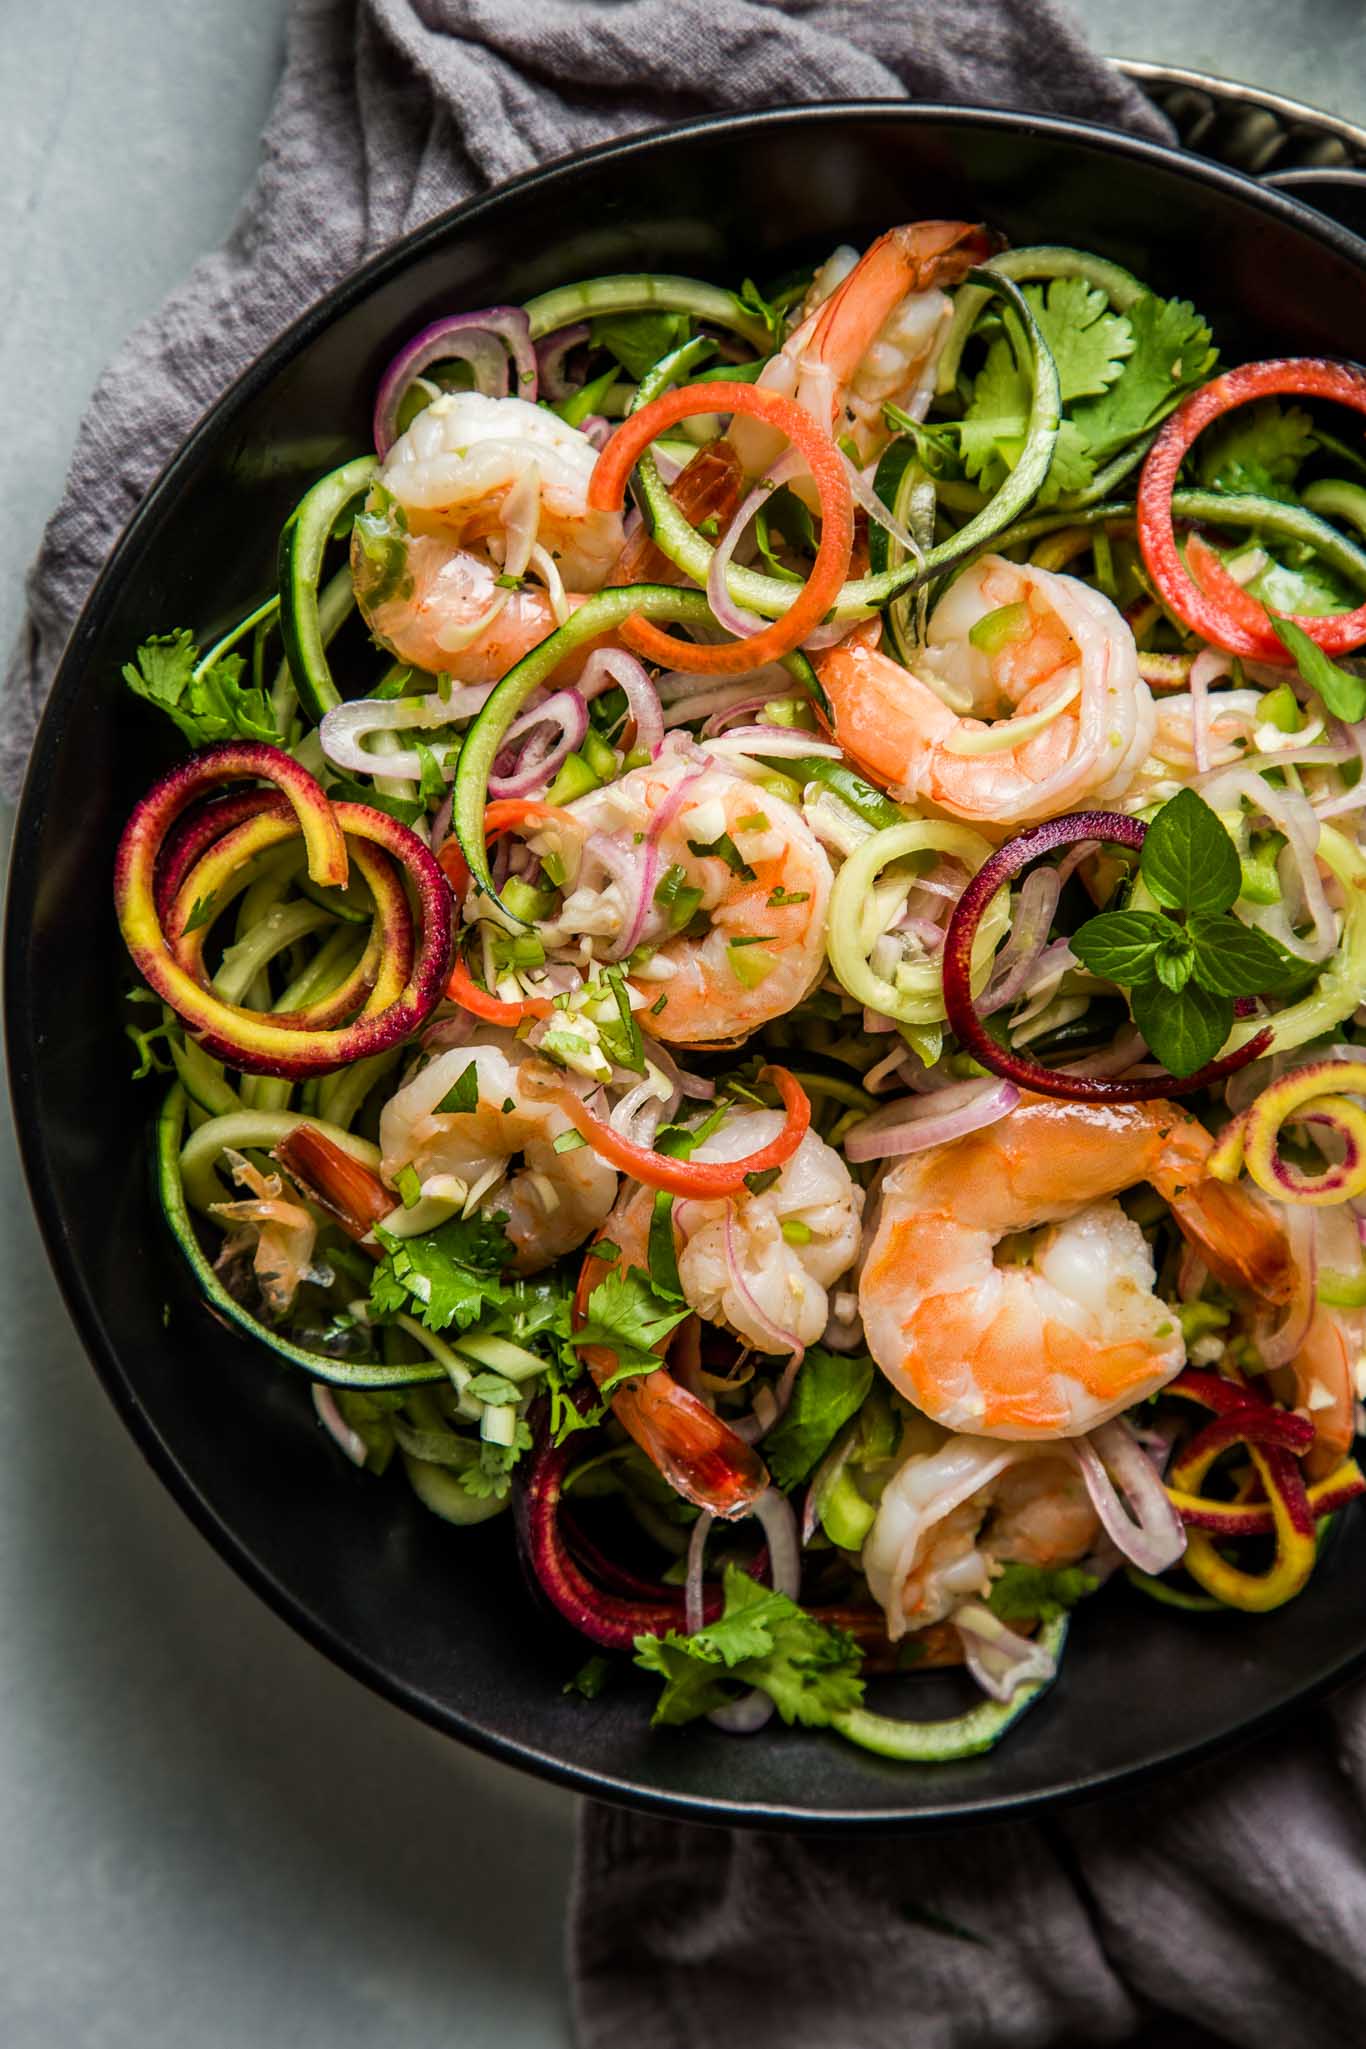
x: 759, y: 965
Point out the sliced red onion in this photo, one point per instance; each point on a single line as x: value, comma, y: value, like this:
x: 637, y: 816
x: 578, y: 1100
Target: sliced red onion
x: 884, y: 1072
x: 551, y: 351
x: 866, y: 497
x: 1153, y: 1536
x: 597, y: 429
x: 779, y: 741
x: 540, y: 759
x: 698, y: 1087
x: 1208, y: 666
x: 717, y: 721
x: 612, y: 665
x: 636, y: 871
x: 1128, y: 1049
x: 752, y: 1710
x: 782, y: 1340
x: 726, y: 612
x: 692, y: 1585
x: 915, y: 1123
x: 628, y: 1113
x: 1279, y: 1347
x: 441, y: 824
x: 335, y: 1424
x: 343, y: 730
x: 483, y: 340
x: 830, y: 636
x: 998, y: 1659
x: 1015, y: 963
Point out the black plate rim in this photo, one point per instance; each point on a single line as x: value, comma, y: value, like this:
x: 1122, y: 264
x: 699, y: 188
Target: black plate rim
x: 85, y: 1312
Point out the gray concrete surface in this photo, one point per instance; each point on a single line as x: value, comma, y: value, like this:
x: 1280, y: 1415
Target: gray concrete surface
x: 209, y: 1839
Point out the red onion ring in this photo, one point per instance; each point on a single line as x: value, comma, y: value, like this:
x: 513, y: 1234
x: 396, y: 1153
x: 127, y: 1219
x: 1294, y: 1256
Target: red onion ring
x: 752, y: 1710
x: 998, y: 1659
x: 1112, y: 828
x: 347, y: 1440
x: 484, y: 340
x: 551, y: 351
x: 1280, y: 1346
x: 636, y: 871
x: 913, y: 1124
x: 1038, y: 900
x: 540, y: 759
x: 1153, y: 1537
x: 609, y: 665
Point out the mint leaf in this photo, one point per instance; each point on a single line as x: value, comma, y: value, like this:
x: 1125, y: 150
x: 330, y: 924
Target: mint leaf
x: 1260, y: 448
x: 1025, y: 1592
x: 1175, y: 960
x: 1184, y: 1030
x: 762, y: 1639
x: 1343, y: 694
x: 629, y: 1319
x: 1233, y: 959
x: 1188, y: 860
x: 1087, y: 341
x: 1121, y: 946
x: 829, y: 1389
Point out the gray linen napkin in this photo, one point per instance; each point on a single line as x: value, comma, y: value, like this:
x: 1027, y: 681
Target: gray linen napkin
x: 1230, y: 1897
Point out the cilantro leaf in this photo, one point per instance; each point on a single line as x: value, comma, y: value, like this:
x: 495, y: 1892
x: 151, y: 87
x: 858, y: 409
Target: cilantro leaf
x: 1121, y: 946
x: 830, y: 1388
x: 626, y: 1316
x: 447, y: 1276
x: 991, y: 434
x: 1183, y: 1029
x: 1172, y: 352
x: 207, y: 705
x: 491, y: 1477
x: 1233, y: 959
x: 1087, y: 341
x: 590, y: 1678
x: 1343, y: 694
x: 1188, y: 860
x: 1033, y: 1591
x: 762, y: 1639
x: 1260, y: 448
x: 638, y: 340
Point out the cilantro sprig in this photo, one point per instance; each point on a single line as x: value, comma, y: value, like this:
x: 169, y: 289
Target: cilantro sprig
x: 1184, y: 963
x: 627, y: 1317
x: 207, y: 703
x: 762, y: 1639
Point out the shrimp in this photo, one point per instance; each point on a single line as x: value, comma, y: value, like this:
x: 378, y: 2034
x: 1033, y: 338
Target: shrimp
x: 761, y: 899
x: 280, y: 1234
x: 870, y: 337
x: 552, y: 1202
x: 700, y: 1456
x: 1061, y: 658
x: 762, y: 1264
x: 952, y: 1516
x: 476, y: 490
x: 1050, y: 1339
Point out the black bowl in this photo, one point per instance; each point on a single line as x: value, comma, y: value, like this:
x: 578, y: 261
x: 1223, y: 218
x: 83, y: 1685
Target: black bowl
x: 435, y: 1618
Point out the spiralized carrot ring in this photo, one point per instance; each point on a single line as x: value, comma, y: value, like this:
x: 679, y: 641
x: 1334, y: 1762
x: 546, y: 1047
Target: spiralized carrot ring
x: 268, y: 1043
x: 1321, y: 1092
x: 1201, y: 592
x: 607, y: 492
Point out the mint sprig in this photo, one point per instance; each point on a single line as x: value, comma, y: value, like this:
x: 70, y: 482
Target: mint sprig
x: 1184, y: 964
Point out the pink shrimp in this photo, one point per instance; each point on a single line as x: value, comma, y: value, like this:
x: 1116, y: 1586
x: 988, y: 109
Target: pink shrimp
x: 1006, y: 637
x: 875, y: 337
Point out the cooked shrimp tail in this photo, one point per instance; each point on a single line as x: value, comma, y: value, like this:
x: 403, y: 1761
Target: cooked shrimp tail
x: 353, y: 1197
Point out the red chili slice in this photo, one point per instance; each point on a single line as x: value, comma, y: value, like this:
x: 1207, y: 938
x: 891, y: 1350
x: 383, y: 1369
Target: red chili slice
x: 705, y: 1179
x: 1200, y: 591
